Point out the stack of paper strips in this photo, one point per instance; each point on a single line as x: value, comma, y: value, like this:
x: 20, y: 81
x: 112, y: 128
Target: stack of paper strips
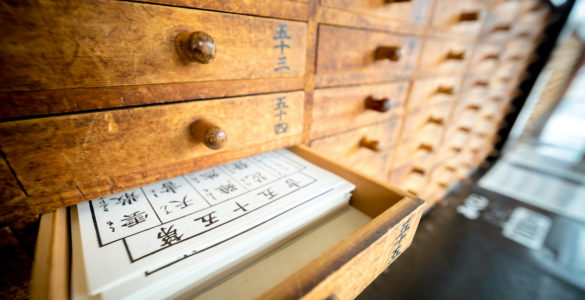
x: 192, y: 230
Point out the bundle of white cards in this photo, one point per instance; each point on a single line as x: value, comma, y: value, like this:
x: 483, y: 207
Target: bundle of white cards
x: 187, y: 232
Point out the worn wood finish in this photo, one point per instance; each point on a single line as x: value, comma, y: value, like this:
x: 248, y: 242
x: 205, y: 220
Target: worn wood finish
x: 415, y: 11
x: 485, y: 58
x: 419, y: 152
x: 432, y: 91
x: 12, y: 199
x: 347, y: 55
x: 50, y: 275
x: 73, y: 150
x: 430, y: 121
x: 350, y: 148
x: 35, y: 103
x: 282, y: 9
x: 441, y: 56
x: 83, y: 47
x: 461, y: 19
x: 409, y: 178
x: 341, y: 17
x: 347, y: 106
x: 499, y: 21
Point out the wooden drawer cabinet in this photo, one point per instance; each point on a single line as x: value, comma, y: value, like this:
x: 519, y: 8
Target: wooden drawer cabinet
x: 344, y: 108
x: 432, y: 91
x: 463, y: 18
x: 426, y: 122
x: 410, y: 178
x: 108, y: 43
x: 143, y: 144
x: 500, y: 20
x: 445, y: 56
x: 485, y: 58
x: 418, y: 152
x: 415, y: 11
x: 343, y: 270
x: 368, y: 149
x: 352, y: 56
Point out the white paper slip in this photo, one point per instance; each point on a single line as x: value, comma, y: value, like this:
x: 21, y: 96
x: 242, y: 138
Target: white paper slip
x: 136, y: 233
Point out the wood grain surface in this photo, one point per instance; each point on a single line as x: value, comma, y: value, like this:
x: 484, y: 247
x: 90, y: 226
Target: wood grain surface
x: 66, y: 151
x: 341, y: 109
x: 72, y: 44
x: 347, y: 55
x: 416, y: 11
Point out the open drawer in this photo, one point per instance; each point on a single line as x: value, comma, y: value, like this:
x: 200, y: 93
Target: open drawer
x: 336, y: 258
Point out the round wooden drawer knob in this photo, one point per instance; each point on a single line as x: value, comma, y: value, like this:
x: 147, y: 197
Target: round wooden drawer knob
x: 195, y: 46
x: 392, y: 53
x: 469, y: 16
x: 208, y: 133
x: 373, y: 145
x: 447, y: 90
x: 380, y: 105
x: 434, y: 120
x: 426, y: 147
x: 453, y: 55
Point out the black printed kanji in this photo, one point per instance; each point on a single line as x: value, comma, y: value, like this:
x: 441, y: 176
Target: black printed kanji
x: 227, y: 188
x: 254, y: 177
x: 102, y: 203
x: 280, y: 105
x: 165, y: 209
x: 169, y: 187
x: 111, y: 224
x: 211, y: 174
x: 241, y: 207
x: 291, y: 182
x: 126, y: 198
x: 169, y: 236
x: 209, y: 194
x: 281, y: 35
x: 209, y: 219
x: 134, y: 218
x: 240, y: 165
x: 182, y: 203
x: 268, y: 193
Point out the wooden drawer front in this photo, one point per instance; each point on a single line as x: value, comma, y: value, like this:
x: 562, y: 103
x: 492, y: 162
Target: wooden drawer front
x: 500, y: 20
x: 415, y: 11
x: 419, y: 152
x: 428, y: 121
x: 107, y: 43
x: 433, y: 91
x: 348, y: 56
x: 518, y: 50
x: 445, y: 56
x: 461, y: 18
x: 456, y: 138
x: 486, y: 58
x: 349, y: 148
x: 409, y: 178
x: 465, y: 118
x: 341, y: 109
x: 120, y: 149
x: 531, y: 22
x: 385, y: 221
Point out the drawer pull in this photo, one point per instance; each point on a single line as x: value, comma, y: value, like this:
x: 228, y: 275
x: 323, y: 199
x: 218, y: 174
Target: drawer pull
x: 482, y: 83
x: 469, y: 16
x: 373, y: 145
x: 504, y: 27
x: 438, y: 121
x: 195, y: 46
x: 447, y: 90
x: 426, y: 147
x: 516, y: 57
x: 453, y: 55
x: 420, y: 171
x: 379, y: 105
x: 210, y: 134
x: 493, y: 56
x: 392, y: 53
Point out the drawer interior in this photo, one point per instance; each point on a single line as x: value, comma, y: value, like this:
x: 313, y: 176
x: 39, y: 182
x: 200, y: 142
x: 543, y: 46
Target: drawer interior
x: 332, y: 249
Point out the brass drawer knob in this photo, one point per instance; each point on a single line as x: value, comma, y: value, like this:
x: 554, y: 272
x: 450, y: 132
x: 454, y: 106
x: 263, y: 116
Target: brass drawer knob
x: 447, y: 90
x: 195, y: 46
x: 371, y: 144
x: 392, y: 53
x: 380, y: 105
x: 208, y: 133
x: 454, y: 55
x: 471, y: 16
